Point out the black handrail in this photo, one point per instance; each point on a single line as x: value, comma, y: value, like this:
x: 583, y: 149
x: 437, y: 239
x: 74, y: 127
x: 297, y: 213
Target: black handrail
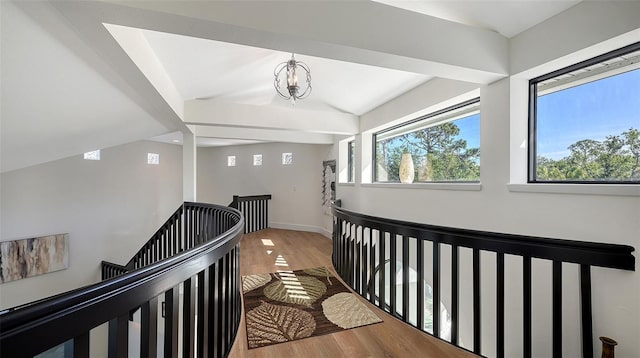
x: 255, y: 209
x: 32, y: 328
x: 362, y: 242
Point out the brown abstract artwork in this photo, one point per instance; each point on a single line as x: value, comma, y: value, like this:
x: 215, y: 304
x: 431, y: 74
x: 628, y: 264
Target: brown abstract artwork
x: 32, y: 257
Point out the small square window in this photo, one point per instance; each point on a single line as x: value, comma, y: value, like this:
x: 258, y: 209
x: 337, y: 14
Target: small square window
x: 257, y: 159
x: 94, y: 155
x: 231, y: 161
x: 287, y: 158
x: 153, y: 158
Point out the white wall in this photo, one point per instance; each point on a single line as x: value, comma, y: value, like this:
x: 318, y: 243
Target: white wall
x: 296, y: 189
x: 109, y: 208
x: 588, y: 217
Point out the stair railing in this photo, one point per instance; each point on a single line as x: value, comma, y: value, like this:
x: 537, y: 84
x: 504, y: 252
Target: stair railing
x: 201, y: 263
x: 255, y: 209
x: 367, y: 251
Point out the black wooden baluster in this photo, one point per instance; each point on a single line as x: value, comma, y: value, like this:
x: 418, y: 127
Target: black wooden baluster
x: 420, y: 293
x: 233, y: 291
x: 392, y: 273
x: 238, y: 287
x: 181, y: 237
x: 436, y: 288
x: 350, y: 263
x: 477, y: 340
x: 500, y: 306
x: 214, y: 314
x: 337, y: 245
x: 357, y: 257
x: 585, y: 308
x: 365, y: 264
x: 336, y: 237
x: 372, y: 259
x: 220, y: 291
x: 526, y: 306
x: 405, y: 278
x: 344, y: 254
x: 254, y: 215
x: 192, y: 225
x: 202, y: 342
x: 454, y: 294
x: 557, y: 309
x: 164, y: 246
x: 346, y: 250
x: 227, y: 300
x: 119, y: 336
x: 266, y: 213
x: 225, y: 305
x: 171, y: 303
x: 344, y: 247
x: 354, y: 255
x: 149, y: 328
x: 265, y: 224
x: 188, y: 317
x: 187, y: 226
x: 382, y: 243
x: 81, y: 346
x: 248, y: 216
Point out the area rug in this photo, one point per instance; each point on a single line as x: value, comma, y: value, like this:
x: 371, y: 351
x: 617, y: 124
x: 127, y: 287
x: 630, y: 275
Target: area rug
x: 288, y: 305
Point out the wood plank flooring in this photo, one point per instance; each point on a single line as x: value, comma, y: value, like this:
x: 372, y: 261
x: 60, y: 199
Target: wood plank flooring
x: 300, y: 250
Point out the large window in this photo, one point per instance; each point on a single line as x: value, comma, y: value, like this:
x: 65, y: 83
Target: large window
x: 445, y: 146
x: 585, y: 121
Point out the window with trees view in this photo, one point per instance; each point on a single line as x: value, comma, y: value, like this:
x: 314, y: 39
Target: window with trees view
x: 444, y: 146
x: 585, y: 121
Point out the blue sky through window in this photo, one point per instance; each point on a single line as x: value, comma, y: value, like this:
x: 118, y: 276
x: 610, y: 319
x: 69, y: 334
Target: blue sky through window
x: 470, y: 130
x: 592, y: 110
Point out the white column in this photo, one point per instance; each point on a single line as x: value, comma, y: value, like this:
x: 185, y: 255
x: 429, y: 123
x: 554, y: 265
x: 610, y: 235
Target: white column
x: 189, y: 166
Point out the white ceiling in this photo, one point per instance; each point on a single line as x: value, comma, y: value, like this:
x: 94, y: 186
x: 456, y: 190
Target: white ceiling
x: 201, y: 68
x: 68, y: 87
x: 507, y: 17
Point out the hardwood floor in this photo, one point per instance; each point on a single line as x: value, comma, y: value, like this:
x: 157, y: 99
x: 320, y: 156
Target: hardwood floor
x: 300, y: 250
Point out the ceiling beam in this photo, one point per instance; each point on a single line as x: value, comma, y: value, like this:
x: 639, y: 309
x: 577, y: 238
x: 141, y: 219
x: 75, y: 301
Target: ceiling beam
x: 353, y: 31
x: 223, y: 113
x: 260, y: 134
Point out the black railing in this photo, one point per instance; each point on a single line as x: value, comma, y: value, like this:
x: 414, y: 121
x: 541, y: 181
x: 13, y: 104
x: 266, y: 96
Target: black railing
x: 189, y: 226
x: 196, y: 254
x: 255, y: 210
x: 365, y: 255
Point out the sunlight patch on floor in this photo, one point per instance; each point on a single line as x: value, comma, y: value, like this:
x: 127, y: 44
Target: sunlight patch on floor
x: 292, y: 285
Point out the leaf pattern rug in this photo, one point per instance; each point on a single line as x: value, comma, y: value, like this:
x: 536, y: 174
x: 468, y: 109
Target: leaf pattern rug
x: 287, y: 305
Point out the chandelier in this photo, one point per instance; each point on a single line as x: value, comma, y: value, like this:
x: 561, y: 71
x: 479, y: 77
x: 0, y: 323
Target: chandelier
x: 289, y: 88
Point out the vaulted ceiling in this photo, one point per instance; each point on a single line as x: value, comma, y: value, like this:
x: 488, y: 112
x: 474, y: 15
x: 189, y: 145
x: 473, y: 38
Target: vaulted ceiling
x: 78, y: 75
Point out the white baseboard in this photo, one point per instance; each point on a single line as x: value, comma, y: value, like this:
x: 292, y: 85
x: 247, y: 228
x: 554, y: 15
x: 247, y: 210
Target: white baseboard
x: 298, y: 227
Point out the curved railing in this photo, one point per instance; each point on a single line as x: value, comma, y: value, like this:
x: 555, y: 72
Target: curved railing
x: 401, y: 262
x: 189, y: 226
x: 195, y: 255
